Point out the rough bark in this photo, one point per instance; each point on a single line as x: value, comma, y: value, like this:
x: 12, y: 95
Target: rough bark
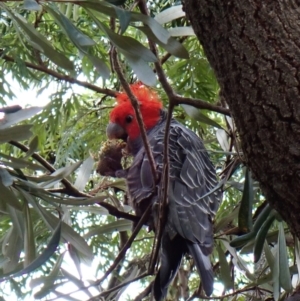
x: 254, y: 48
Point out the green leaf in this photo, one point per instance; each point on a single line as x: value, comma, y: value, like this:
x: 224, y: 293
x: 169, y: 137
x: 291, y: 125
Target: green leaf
x: 126, y: 45
x: 61, y: 173
x: 245, y: 212
x: 79, y: 39
x: 183, y: 31
x: 284, y: 275
x: 124, y: 18
x: 17, y: 133
x: 11, y: 248
x: 33, y: 146
x: 20, y: 163
x: 20, y: 115
x: 46, y: 254
x: 261, y: 236
x: 100, y: 66
x: 170, y: 14
x: 9, y: 197
x: 67, y: 233
x: 29, y: 242
x: 38, y: 41
x: 197, y: 115
x: 269, y: 256
x: 142, y: 70
x: 108, y: 9
x: 119, y: 225
x: 275, y: 276
x: 5, y: 177
x: 31, y: 5
x: 225, y: 274
x: 172, y: 45
x: 84, y: 173
x: 222, y: 138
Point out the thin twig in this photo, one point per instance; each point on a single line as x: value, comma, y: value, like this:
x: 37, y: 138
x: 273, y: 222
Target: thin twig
x: 62, y: 77
x: 122, y: 253
x: 240, y: 291
x: 200, y: 104
x: 136, y: 107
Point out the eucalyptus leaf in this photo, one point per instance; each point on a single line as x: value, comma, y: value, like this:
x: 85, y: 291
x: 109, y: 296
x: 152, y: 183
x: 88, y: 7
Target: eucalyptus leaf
x: 170, y: 14
x: 183, y: 31
x: 84, y: 173
x: 79, y: 39
x: 9, y: 197
x: 5, y: 177
x: 225, y: 274
x: 261, y: 236
x: 222, y: 138
x: 172, y: 46
x: 38, y: 41
x: 108, y: 9
x: 31, y: 5
x: 29, y: 242
x: 33, y: 146
x: 197, y: 115
x: 124, y: 17
x: 142, y: 70
x: 20, y: 115
x: 119, y: 225
x: 284, y: 273
x: 46, y: 254
x: 245, y: 212
x: 17, y: 133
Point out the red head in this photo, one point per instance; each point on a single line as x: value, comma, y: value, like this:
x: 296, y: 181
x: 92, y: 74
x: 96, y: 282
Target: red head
x: 123, y: 121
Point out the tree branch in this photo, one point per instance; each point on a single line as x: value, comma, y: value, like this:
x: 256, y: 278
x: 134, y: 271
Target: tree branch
x: 62, y: 77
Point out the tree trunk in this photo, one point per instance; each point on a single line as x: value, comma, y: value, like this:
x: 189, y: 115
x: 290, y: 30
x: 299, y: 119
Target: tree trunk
x: 254, y: 48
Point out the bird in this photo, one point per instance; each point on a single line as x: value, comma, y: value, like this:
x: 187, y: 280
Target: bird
x: 193, y: 196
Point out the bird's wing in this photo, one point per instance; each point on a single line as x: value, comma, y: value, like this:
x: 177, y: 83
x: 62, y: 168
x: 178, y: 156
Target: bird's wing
x: 192, y: 201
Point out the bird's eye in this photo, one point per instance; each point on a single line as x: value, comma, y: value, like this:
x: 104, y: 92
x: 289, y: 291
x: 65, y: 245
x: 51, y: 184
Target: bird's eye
x: 129, y: 118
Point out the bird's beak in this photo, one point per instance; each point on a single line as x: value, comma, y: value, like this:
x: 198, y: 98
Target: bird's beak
x: 115, y: 131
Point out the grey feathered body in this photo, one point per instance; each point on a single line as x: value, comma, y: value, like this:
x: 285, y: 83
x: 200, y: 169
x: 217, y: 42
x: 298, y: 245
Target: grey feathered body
x: 188, y: 227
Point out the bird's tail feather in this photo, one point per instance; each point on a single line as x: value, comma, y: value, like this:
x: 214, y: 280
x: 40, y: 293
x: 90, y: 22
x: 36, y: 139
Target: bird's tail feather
x: 170, y: 259
x: 204, y: 267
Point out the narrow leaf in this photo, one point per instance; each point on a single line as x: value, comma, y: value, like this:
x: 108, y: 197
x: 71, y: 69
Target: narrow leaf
x: 183, y: 31
x: 275, y: 276
x: 9, y: 197
x: 79, y: 39
x: 18, y: 132
x: 5, y: 177
x: 170, y: 14
x: 84, y: 173
x: 46, y: 254
x: 124, y: 18
x: 142, y: 70
x: 222, y: 138
x: 100, y: 66
x: 31, y: 5
x: 225, y: 275
x: 261, y: 236
x: 33, y: 146
x: 172, y: 46
x: 29, y: 242
x: 245, y: 212
x: 197, y: 115
x: 39, y: 42
x: 119, y: 225
x: 284, y: 274
x: 20, y: 115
